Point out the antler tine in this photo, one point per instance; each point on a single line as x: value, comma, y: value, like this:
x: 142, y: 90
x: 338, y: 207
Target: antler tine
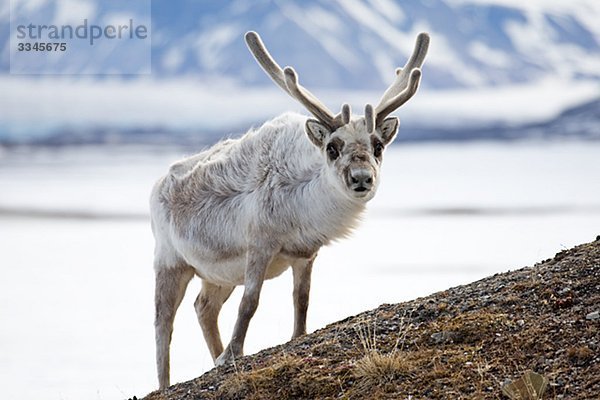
x: 395, y: 103
x: 264, y: 59
x: 287, y: 79
x: 405, y: 77
x: 307, y: 99
x: 369, y: 118
x: 346, y: 113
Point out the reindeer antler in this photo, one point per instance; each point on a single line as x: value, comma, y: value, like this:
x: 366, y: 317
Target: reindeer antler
x: 406, y: 83
x: 287, y: 79
x: 402, y: 89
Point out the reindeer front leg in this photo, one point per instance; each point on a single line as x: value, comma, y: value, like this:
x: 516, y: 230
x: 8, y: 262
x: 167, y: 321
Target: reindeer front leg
x: 302, y: 270
x: 258, y: 260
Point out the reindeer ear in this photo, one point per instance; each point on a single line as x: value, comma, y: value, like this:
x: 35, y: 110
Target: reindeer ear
x: 388, y: 129
x: 317, y: 132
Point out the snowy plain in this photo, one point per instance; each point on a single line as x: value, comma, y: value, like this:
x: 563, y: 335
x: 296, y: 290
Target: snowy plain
x: 76, y: 279
x: 188, y: 104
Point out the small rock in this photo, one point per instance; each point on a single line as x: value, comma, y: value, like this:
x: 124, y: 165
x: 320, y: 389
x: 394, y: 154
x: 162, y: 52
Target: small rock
x: 520, y: 322
x: 541, y: 360
x: 444, y: 337
x: 564, y: 290
x: 593, y: 316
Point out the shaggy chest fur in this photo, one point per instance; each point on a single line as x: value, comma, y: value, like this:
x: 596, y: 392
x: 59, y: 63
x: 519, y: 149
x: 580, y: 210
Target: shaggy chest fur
x: 268, y: 184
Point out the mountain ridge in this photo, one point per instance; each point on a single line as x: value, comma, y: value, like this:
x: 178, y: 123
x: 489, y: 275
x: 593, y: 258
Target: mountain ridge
x: 358, y: 44
x: 498, y: 57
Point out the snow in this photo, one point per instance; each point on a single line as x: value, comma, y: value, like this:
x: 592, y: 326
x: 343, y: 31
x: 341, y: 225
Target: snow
x: 325, y: 28
x: 508, y: 104
x: 355, y: 41
x: 390, y: 9
x: 173, y: 59
x: 77, y: 295
x: 577, y: 7
x: 189, y: 104
x: 442, y: 55
x: 558, y: 38
x: 488, y: 55
x: 535, y: 37
x: 532, y: 38
x: 209, y: 45
x: 378, y: 24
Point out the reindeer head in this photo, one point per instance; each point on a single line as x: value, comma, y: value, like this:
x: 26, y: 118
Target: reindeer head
x: 353, y: 147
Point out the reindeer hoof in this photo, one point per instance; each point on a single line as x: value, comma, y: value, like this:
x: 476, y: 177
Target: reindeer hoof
x: 221, y: 360
x: 226, y: 358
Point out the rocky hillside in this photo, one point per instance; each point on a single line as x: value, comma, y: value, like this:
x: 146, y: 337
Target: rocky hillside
x: 467, y: 342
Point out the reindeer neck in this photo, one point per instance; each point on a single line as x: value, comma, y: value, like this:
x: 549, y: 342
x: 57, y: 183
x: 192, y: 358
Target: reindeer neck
x: 324, y: 210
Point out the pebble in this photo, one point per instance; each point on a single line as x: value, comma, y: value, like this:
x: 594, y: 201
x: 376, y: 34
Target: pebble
x: 437, y: 337
x: 444, y: 337
x: 593, y: 316
x: 564, y: 290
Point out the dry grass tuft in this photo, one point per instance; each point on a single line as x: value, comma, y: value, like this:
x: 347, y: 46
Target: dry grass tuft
x: 376, y: 369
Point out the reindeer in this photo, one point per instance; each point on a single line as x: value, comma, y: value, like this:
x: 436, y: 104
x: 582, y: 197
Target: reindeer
x: 247, y: 209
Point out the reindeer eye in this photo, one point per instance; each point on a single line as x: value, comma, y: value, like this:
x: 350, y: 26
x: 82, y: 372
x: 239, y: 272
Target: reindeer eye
x: 377, y: 149
x: 332, y: 151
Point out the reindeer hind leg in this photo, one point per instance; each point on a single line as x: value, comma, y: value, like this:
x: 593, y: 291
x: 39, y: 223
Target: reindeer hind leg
x: 208, y: 305
x: 171, y: 283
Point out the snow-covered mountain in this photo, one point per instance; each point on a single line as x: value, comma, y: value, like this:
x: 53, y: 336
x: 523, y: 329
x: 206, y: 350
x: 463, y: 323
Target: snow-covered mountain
x: 356, y: 44
x: 201, y: 69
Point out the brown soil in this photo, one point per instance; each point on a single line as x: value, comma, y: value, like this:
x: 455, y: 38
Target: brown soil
x: 462, y: 343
